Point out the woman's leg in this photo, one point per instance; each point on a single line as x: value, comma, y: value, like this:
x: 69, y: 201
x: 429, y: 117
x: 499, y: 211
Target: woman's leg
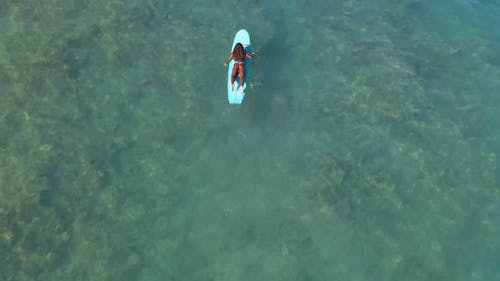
x: 242, y: 76
x: 233, y: 75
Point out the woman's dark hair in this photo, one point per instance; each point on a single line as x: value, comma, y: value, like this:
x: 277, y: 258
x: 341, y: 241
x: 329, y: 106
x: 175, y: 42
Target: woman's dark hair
x: 239, y: 52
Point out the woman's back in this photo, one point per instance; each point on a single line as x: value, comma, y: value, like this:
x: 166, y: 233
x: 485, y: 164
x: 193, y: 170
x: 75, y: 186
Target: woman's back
x: 239, y: 53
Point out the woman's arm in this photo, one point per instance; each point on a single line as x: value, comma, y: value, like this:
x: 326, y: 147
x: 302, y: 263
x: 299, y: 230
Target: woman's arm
x: 251, y: 56
x: 228, y: 59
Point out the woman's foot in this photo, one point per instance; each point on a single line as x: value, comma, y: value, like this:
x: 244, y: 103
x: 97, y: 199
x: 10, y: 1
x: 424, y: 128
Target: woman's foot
x: 242, y: 88
x: 232, y: 86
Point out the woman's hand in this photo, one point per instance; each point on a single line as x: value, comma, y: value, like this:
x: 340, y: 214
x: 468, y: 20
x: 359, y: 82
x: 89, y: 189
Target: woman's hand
x: 225, y: 64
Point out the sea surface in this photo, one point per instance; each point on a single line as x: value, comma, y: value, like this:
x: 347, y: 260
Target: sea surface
x: 367, y: 146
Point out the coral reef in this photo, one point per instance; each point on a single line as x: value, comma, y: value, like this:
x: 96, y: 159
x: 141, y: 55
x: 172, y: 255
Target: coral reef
x: 367, y: 145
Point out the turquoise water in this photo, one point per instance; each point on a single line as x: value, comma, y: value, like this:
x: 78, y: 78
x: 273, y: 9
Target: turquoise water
x: 366, y: 147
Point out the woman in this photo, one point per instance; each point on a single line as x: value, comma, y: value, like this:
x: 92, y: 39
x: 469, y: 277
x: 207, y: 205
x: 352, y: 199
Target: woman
x: 239, y: 54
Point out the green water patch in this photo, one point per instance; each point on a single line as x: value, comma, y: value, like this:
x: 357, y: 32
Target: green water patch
x: 367, y: 145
